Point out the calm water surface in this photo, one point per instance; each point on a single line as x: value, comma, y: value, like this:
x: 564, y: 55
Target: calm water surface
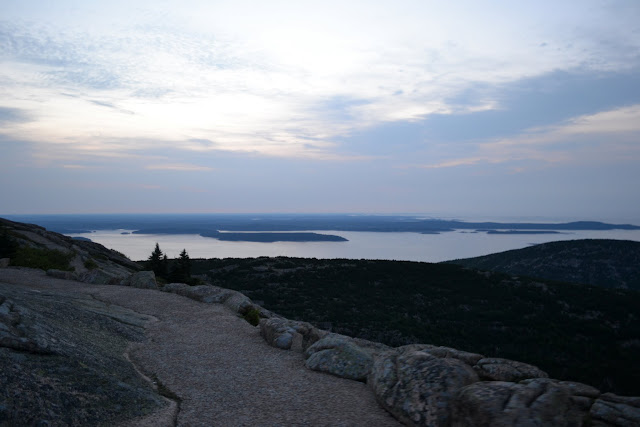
x: 367, y: 245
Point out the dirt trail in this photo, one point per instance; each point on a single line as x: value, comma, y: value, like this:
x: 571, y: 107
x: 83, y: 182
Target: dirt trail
x: 221, y: 369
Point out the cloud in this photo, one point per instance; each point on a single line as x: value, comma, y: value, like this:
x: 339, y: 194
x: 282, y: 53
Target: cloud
x: 300, y: 80
x: 13, y: 115
x: 110, y: 105
x: 178, y: 167
x: 605, y: 137
x: 75, y: 167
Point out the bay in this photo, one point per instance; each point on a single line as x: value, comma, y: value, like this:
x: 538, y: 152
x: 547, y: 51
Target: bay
x: 360, y: 245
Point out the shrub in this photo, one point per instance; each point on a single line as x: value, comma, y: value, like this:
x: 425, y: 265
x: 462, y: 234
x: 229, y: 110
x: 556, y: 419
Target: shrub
x: 44, y: 259
x: 8, y: 245
x: 90, y: 264
x: 252, y: 316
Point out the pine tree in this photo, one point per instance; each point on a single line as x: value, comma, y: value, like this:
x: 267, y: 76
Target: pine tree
x: 185, y: 263
x: 181, y: 271
x: 157, y: 262
x: 164, y: 267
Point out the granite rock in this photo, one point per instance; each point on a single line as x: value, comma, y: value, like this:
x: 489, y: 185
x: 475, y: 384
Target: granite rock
x: 612, y: 410
x: 540, y: 402
x: 340, y: 356
x: 289, y: 334
x: 496, y: 369
x: 417, y: 387
x: 141, y: 279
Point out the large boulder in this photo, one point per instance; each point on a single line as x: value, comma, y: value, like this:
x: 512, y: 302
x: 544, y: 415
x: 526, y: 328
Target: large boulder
x: 289, y: 334
x: 464, y: 356
x: 611, y: 410
x: 539, y: 402
x: 141, y: 279
x: 339, y: 355
x: 5, y: 262
x: 496, y: 369
x: 417, y: 387
x: 239, y: 302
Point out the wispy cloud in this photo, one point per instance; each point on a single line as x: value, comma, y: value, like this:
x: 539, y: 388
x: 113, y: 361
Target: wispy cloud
x: 13, y: 115
x: 75, y: 167
x: 179, y: 167
x: 608, y: 136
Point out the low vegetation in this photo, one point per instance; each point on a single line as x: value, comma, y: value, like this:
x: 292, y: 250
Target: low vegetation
x: 45, y: 259
x: 574, y: 332
x: 602, y: 262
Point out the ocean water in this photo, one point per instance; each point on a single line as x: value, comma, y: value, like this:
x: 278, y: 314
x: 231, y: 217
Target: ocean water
x: 361, y: 245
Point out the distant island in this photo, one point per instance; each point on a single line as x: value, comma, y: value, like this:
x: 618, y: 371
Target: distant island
x: 211, y: 224
x: 275, y: 237
x: 269, y: 237
x: 521, y: 232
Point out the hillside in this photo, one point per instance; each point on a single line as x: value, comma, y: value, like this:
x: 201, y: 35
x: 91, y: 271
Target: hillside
x: 606, y: 263
x: 29, y: 245
x: 74, y: 351
x: 575, y: 332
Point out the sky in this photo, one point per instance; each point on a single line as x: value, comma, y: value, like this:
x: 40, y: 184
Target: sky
x: 458, y: 108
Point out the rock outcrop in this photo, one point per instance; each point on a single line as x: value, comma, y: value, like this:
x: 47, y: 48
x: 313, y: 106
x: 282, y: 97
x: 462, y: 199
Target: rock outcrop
x: 62, y: 359
x: 89, y: 261
x: 417, y: 387
x: 611, y: 410
x: 427, y: 385
x: 141, y: 279
x: 339, y: 356
x: 496, y: 369
x: 210, y: 294
x: 289, y: 334
x: 498, y: 403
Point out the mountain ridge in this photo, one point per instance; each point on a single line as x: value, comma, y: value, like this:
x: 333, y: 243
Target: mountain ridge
x: 601, y: 262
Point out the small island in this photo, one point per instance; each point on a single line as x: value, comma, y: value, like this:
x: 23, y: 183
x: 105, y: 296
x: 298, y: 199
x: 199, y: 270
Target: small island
x: 521, y: 232
x: 273, y: 237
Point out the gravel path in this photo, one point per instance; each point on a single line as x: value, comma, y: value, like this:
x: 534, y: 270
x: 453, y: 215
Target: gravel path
x: 221, y: 369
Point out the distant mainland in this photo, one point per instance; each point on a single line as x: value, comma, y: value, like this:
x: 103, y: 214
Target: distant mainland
x: 292, y: 227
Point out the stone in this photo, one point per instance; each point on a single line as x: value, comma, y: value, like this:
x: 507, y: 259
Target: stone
x: 98, y: 276
x: 613, y: 410
x: 141, y: 279
x: 469, y: 358
x: 12, y: 331
x: 174, y: 288
x: 4, y: 262
x: 496, y: 369
x: 60, y: 274
x: 540, y: 402
x: 238, y: 302
x: 339, y: 356
x: 289, y: 334
x: 203, y: 293
x: 417, y: 387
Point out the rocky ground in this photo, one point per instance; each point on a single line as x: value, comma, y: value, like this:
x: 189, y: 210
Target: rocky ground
x: 63, y: 355
x: 68, y: 363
